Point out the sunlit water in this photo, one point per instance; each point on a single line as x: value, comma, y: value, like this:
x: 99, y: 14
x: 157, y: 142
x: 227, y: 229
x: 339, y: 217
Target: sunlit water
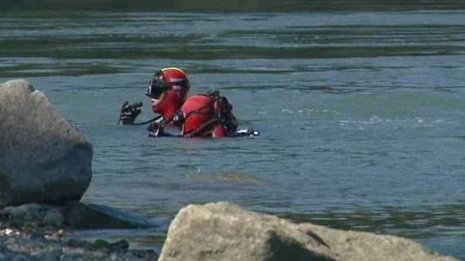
x: 361, y: 113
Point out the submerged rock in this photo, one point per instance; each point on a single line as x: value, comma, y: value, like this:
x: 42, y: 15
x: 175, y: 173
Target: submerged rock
x: 82, y: 216
x: 43, y: 158
x: 223, y: 231
x: 72, y: 215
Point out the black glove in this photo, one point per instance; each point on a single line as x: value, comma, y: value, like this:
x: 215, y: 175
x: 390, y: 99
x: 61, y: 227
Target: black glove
x: 155, y: 129
x: 129, y: 113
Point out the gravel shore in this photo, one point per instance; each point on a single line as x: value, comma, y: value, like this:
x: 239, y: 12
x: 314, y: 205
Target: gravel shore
x: 37, y: 232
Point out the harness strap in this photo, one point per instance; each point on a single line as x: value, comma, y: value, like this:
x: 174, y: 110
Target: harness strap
x: 216, y: 111
x: 180, y: 118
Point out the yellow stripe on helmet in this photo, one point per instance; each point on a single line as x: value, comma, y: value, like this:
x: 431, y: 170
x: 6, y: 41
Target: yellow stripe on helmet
x: 186, y: 92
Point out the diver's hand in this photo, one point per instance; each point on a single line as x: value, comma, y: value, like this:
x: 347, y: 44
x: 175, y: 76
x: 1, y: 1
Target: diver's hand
x: 129, y: 113
x: 155, y: 129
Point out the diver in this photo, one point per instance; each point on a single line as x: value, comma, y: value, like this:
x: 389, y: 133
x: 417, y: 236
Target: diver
x: 200, y: 115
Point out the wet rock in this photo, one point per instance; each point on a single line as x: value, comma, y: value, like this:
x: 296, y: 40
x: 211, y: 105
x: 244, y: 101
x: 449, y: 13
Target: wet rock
x: 26, y: 212
x: 53, y: 217
x: 145, y: 254
x: 73, y: 215
x: 90, y: 216
x: 118, y: 246
x: 44, y: 159
x: 33, y: 215
x: 223, y: 231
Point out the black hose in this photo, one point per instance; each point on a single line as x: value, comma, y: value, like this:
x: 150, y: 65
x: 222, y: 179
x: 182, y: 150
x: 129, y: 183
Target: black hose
x: 149, y: 121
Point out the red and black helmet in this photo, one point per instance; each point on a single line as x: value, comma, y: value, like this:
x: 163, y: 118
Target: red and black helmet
x: 167, y: 79
x: 174, y: 84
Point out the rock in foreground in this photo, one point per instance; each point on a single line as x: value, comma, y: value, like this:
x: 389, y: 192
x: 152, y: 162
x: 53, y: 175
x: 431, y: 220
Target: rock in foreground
x: 223, y: 231
x: 42, y: 157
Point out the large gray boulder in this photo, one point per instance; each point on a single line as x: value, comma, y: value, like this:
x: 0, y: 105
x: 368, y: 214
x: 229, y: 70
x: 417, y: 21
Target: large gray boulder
x: 223, y: 231
x: 42, y: 157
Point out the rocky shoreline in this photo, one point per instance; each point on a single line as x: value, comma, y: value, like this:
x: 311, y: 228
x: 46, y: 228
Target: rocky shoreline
x: 38, y: 232
x: 214, y: 231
